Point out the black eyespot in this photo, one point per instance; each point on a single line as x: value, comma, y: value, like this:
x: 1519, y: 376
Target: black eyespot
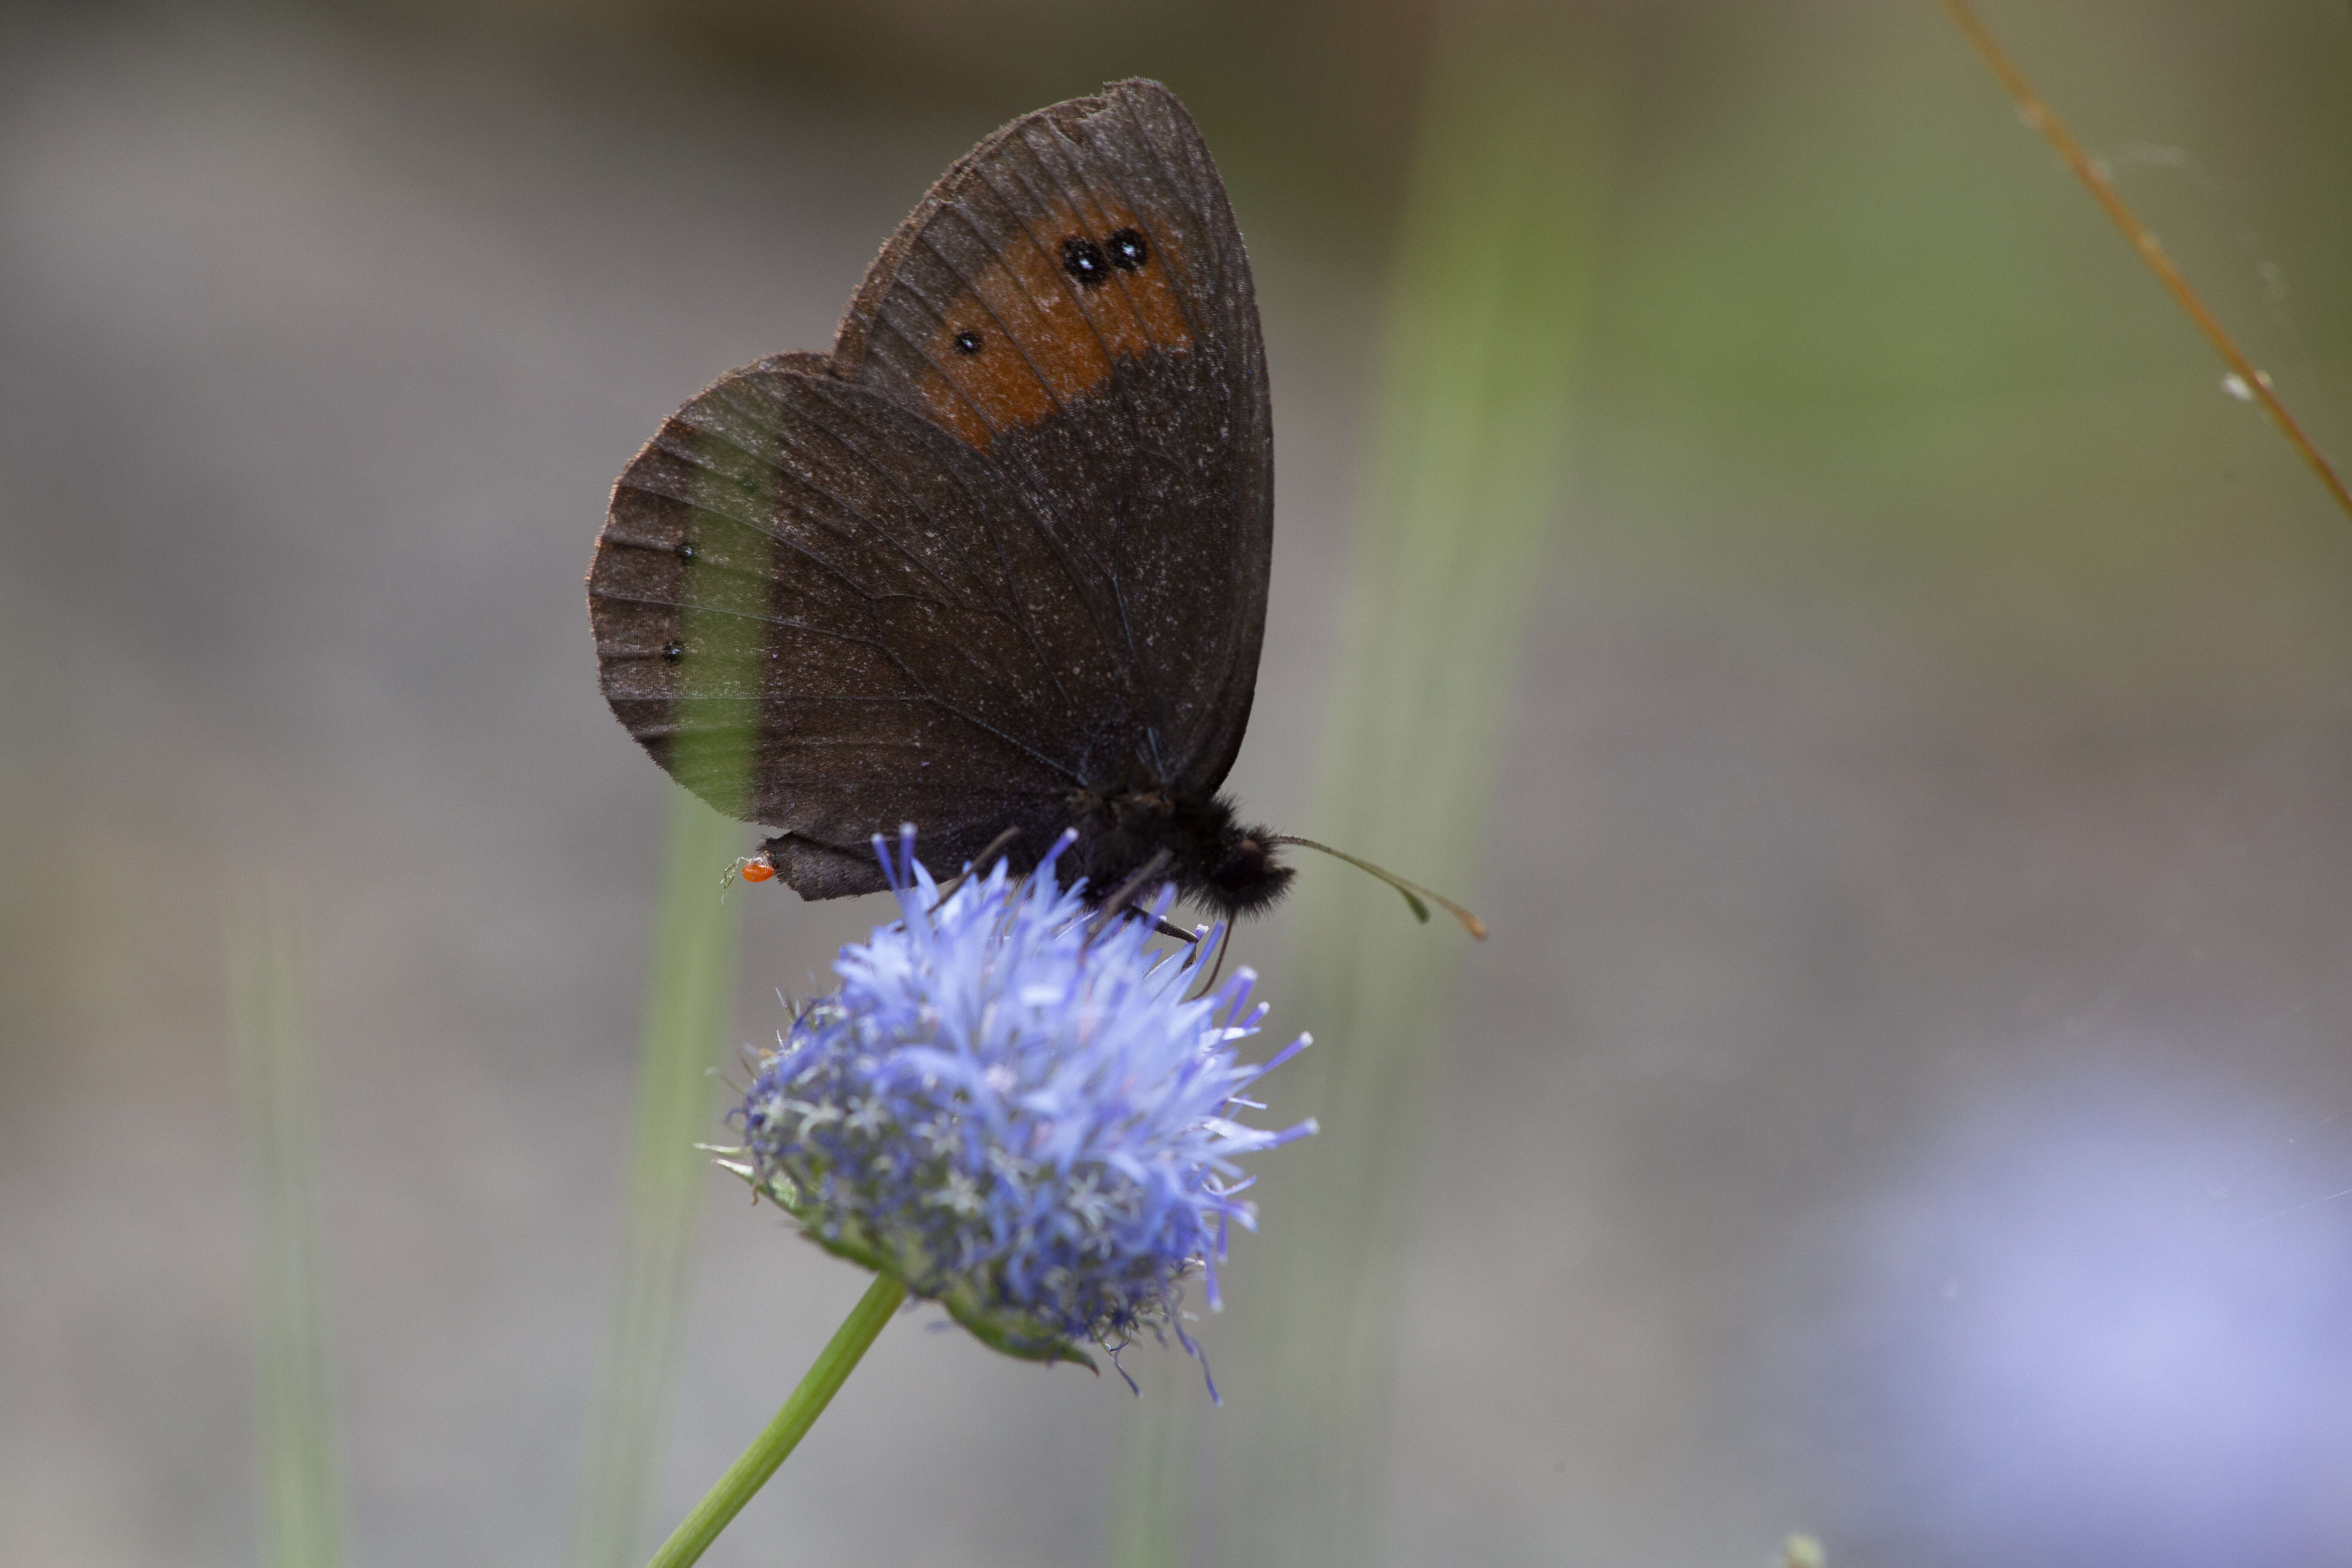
x: 672, y: 651
x: 967, y: 343
x: 686, y: 549
x: 1127, y: 251
x: 1083, y: 259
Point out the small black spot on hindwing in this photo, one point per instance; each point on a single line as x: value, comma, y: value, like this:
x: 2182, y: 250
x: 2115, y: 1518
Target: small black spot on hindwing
x: 966, y: 342
x: 1128, y: 250
x: 672, y: 651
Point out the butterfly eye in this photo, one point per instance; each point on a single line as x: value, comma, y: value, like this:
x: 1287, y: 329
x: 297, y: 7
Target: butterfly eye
x: 1241, y: 866
x: 1127, y: 251
x: 1083, y: 259
x: 967, y: 343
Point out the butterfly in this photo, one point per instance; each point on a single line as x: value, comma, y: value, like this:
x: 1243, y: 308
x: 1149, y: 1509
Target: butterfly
x: 994, y: 566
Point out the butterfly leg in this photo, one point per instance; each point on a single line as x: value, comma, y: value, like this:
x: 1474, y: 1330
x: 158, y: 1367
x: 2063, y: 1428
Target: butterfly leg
x: 996, y: 847
x: 1140, y: 913
x: 1119, y: 903
x: 1225, y: 946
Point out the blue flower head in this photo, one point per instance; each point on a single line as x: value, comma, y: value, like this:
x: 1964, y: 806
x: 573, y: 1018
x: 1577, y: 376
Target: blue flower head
x: 1014, y: 1107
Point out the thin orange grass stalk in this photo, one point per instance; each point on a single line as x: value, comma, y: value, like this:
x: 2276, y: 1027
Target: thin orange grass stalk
x: 2038, y: 115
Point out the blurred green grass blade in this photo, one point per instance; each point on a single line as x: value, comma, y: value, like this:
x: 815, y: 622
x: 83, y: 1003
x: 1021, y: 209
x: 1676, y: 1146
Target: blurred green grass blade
x: 1152, y: 1465
x: 690, y: 990
x: 1468, y: 469
x: 715, y: 704
x: 301, y: 1503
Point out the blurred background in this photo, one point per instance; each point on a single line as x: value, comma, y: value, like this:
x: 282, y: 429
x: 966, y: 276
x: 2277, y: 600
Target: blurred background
x: 1905, y: 1098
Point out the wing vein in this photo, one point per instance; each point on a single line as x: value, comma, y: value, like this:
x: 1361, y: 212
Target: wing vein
x: 1017, y: 616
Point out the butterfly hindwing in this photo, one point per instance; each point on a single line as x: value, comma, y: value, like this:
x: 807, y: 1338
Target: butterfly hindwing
x: 809, y: 607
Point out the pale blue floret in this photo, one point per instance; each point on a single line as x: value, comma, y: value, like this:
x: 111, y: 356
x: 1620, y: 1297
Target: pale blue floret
x: 1014, y: 1107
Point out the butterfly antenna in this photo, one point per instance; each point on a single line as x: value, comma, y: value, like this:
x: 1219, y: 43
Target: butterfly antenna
x: 1414, y: 891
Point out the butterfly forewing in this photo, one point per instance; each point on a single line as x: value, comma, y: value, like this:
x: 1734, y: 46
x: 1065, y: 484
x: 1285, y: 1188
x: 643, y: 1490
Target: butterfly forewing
x: 1073, y: 299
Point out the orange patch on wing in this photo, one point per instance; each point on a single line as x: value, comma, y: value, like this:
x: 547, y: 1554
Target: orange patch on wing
x: 1027, y: 336
x: 1152, y: 317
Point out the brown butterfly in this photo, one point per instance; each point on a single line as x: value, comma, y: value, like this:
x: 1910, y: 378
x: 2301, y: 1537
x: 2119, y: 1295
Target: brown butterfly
x: 996, y: 565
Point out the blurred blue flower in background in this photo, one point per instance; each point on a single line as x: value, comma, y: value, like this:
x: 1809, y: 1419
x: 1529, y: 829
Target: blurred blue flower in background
x: 1015, y: 1109
x: 2104, y: 1323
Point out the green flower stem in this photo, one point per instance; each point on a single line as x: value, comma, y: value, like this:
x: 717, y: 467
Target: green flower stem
x: 750, y: 1472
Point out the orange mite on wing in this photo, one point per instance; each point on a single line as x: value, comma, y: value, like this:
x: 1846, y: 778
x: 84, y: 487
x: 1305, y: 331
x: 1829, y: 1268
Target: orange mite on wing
x: 758, y: 869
